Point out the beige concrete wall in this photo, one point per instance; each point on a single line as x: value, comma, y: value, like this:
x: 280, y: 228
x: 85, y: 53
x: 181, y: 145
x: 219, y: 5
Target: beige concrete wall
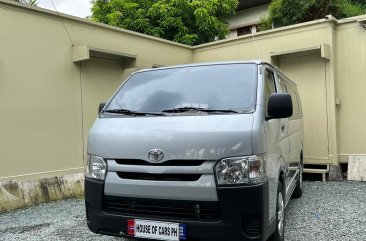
x: 39, y: 96
x: 99, y: 79
x: 48, y: 102
x: 267, y: 43
x: 351, y: 87
x: 309, y: 72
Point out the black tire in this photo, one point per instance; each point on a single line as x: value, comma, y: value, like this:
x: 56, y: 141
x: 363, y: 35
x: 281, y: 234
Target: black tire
x: 299, y: 185
x: 279, y: 233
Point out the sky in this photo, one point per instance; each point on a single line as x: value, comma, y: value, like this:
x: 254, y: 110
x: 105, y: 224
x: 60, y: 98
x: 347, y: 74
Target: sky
x: 79, y: 8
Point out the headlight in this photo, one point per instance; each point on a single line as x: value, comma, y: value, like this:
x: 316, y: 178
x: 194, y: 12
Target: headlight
x: 96, y: 167
x: 239, y: 170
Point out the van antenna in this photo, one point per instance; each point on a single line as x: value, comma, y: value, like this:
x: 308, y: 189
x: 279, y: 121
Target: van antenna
x: 63, y: 24
x: 255, y: 41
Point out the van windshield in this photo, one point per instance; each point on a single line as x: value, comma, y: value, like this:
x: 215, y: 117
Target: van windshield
x: 175, y: 90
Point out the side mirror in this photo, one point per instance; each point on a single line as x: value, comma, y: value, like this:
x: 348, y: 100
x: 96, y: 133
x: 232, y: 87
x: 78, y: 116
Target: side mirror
x: 279, y: 106
x: 101, y: 106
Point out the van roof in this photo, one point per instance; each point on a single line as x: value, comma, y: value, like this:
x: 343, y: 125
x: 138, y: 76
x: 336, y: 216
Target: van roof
x: 258, y: 62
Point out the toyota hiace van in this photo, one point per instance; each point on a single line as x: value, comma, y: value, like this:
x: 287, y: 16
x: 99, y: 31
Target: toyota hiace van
x: 209, y: 151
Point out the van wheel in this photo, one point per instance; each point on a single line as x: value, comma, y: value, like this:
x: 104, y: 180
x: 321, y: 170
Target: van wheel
x: 279, y: 233
x: 298, y: 189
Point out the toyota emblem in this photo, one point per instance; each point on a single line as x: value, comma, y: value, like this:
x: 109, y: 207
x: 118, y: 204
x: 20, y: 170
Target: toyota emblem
x: 156, y: 155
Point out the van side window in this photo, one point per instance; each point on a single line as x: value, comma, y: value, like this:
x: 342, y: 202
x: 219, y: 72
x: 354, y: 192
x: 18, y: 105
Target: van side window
x: 290, y: 88
x: 283, y: 86
x: 270, y: 83
x: 295, y: 103
x: 298, y: 102
x: 270, y: 86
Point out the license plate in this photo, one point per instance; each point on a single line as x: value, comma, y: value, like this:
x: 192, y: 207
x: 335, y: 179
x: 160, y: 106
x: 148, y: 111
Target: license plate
x: 156, y: 230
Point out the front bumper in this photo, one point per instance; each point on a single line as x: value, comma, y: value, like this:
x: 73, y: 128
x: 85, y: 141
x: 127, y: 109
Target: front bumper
x: 243, y: 215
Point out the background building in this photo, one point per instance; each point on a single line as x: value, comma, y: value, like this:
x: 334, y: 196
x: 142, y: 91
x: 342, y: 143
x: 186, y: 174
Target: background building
x: 247, y: 18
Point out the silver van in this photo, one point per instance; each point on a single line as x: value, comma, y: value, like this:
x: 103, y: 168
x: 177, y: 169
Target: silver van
x: 209, y: 151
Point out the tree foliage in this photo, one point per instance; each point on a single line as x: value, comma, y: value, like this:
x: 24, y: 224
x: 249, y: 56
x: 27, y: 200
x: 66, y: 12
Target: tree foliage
x: 185, y: 21
x: 288, y: 12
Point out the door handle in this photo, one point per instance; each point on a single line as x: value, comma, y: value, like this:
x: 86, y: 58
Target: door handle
x: 283, y: 126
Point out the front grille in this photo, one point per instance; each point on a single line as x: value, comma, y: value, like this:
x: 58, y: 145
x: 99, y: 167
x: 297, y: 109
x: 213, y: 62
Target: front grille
x: 166, y: 163
x: 163, y: 208
x: 159, y: 177
x: 252, y: 225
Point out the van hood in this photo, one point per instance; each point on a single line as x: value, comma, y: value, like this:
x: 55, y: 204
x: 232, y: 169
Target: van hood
x: 208, y: 137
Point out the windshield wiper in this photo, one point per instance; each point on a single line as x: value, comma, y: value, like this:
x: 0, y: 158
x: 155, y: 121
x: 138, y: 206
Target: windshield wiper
x: 132, y: 113
x: 181, y: 109
x: 220, y: 111
x: 186, y: 109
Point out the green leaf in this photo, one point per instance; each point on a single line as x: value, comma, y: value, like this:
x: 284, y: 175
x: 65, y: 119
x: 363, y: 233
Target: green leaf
x: 185, y: 21
x: 288, y: 12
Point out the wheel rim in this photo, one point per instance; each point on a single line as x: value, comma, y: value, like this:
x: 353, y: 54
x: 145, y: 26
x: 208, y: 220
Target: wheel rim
x: 281, y: 213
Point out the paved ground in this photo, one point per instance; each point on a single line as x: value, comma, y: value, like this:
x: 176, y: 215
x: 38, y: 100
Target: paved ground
x: 331, y: 211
